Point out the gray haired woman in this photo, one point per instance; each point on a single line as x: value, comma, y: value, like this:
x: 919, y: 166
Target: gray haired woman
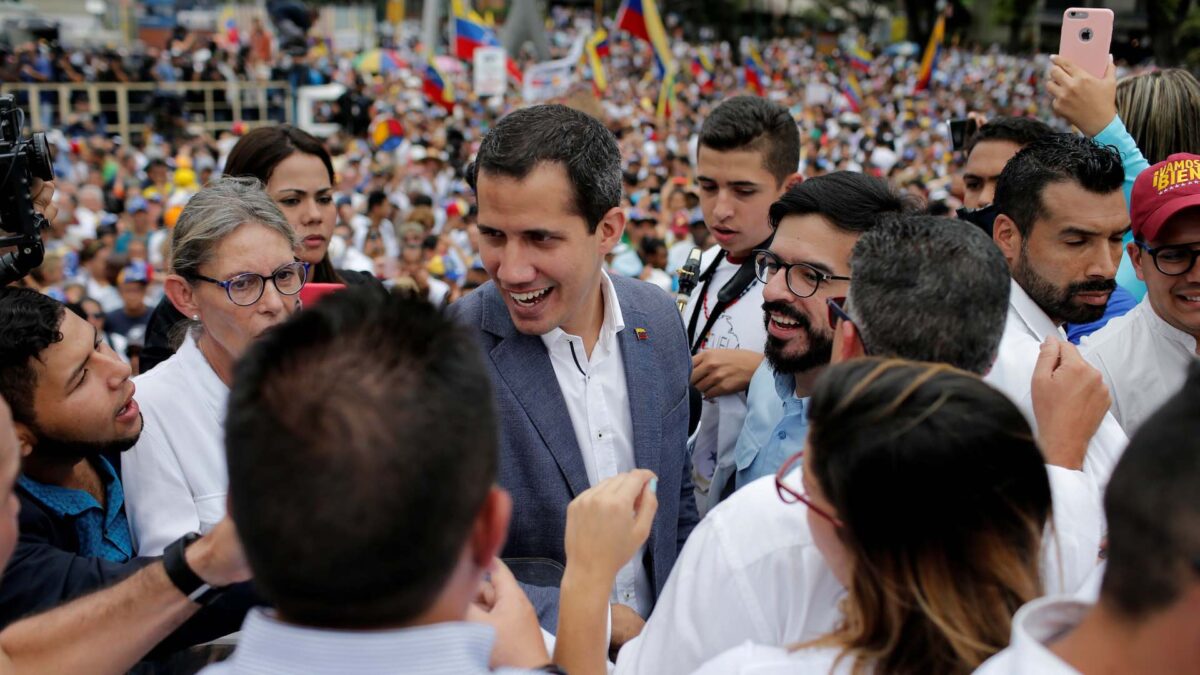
x: 234, y: 274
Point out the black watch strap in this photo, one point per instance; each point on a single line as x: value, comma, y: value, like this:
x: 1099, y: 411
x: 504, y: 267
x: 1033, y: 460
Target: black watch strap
x: 175, y: 564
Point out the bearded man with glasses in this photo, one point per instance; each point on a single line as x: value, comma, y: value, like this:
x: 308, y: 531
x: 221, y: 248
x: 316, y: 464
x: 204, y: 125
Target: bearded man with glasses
x: 1144, y: 356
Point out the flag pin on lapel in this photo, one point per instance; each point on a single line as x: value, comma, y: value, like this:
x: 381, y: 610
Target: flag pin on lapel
x: 641, y: 334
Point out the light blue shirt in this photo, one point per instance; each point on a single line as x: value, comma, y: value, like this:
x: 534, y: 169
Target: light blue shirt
x: 1116, y: 135
x: 268, y: 646
x: 775, y: 428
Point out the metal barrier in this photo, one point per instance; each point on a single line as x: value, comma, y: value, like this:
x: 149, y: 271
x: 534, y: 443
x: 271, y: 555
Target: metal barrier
x: 129, y: 107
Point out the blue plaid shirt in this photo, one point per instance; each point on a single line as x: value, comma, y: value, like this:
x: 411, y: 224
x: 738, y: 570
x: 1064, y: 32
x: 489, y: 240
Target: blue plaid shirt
x: 103, y: 533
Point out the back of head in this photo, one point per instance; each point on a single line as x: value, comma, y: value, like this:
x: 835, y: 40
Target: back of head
x: 851, y: 201
x: 1153, y: 510
x: 930, y: 289
x: 258, y: 152
x: 755, y: 124
x: 1159, y: 110
x: 1019, y: 130
x: 943, y: 495
x: 361, y: 444
x: 29, y: 323
x: 216, y: 211
x: 1057, y: 158
x: 580, y: 143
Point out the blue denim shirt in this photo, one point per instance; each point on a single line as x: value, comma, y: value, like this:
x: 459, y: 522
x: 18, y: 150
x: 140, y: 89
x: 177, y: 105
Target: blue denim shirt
x: 103, y: 532
x: 775, y: 428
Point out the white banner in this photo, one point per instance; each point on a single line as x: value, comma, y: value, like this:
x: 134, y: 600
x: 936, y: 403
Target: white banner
x: 553, y: 79
x: 491, y: 73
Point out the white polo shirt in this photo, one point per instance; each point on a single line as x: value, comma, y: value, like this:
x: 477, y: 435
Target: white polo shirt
x: 1144, y: 361
x: 1036, y: 625
x: 597, y: 398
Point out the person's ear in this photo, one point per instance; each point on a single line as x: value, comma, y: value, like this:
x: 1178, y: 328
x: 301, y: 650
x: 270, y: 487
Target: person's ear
x: 26, y: 439
x: 1135, y: 256
x: 1007, y: 237
x: 491, y: 527
x: 850, y: 345
x: 181, y: 294
x: 610, y: 229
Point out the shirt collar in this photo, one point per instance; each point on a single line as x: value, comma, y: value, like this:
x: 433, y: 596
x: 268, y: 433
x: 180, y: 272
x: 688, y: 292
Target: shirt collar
x: 614, y: 320
x: 1036, y: 320
x: 69, y: 502
x: 268, y: 645
x: 1159, y: 325
x: 785, y: 385
x: 1039, y: 623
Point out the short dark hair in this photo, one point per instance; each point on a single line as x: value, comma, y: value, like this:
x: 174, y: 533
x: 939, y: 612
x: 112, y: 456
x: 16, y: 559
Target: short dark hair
x: 1153, y: 511
x: 851, y: 201
x: 755, y: 124
x: 651, y: 245
x: 580, y: 143
x: 375, y: 198
x: 1057, y: 158
x: 1019, y: 130
x: 929, y: 288
x: 29, y: 323
x: 346, y: 431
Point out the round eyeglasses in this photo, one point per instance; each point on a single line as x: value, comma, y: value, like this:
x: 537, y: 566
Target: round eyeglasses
x: 246, y: 289
x: 802, y: 279
x: 791, y: 495
x: 1174, y: 260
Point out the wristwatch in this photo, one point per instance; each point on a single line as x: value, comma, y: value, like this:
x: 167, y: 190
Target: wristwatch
x: 188, y: 583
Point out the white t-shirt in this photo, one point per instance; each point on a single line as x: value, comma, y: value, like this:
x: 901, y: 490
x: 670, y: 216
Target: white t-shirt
x: 754, y: 659
x: 176, y: 478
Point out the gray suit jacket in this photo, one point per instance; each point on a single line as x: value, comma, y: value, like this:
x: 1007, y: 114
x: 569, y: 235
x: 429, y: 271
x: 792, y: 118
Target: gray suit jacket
x: 540, y: 461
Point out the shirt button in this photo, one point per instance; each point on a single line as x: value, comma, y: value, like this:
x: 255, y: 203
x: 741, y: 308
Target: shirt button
x: 782, y: 435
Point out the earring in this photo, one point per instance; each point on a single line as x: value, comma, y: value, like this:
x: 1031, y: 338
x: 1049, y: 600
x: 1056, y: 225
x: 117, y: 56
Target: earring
x: 195, y: 317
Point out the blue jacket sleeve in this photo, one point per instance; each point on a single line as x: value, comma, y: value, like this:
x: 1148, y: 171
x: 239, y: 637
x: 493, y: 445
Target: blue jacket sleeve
x: 1116, y: 135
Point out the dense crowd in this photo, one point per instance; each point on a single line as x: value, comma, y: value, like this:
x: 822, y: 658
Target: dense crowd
x: 417, y: 397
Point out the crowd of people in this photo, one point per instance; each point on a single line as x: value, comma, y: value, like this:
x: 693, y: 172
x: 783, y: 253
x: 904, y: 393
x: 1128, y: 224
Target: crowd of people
x: 453, y: 406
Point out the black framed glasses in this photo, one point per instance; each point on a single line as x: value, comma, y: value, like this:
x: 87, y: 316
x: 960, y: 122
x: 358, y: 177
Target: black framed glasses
x: 802, y: 279
x: 1174, y: 260
x: 246, y: 289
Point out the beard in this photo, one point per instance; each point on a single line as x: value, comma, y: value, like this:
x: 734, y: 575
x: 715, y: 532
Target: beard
x: 61, y: 450
x: 818, y: 353
x: 1059, y: 303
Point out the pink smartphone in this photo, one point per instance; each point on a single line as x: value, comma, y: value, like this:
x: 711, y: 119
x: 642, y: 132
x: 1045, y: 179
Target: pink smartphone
x: 1086, y: 38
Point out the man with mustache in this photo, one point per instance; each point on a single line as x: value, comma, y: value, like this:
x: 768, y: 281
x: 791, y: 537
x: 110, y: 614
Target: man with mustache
x: 816, y: 226
x: 1061, y: 219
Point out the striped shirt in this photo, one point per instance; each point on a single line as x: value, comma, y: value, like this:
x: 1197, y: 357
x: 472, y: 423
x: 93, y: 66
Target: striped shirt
x: 268, y: 646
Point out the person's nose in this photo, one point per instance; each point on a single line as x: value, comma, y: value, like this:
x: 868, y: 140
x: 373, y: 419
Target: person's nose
x: 515, y: 268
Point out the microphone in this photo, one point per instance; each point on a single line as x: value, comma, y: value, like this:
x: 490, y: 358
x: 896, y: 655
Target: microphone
x: 687, y: 278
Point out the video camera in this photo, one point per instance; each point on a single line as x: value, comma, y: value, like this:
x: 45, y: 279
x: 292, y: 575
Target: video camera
x: 21, y: 160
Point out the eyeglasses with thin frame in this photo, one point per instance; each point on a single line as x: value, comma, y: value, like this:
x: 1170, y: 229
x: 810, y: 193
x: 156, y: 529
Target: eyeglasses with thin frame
x: 789, y: 495
x: 802, y: 279
x: 836, y: 311
x: 246, y: 289
x: 1175, y: 260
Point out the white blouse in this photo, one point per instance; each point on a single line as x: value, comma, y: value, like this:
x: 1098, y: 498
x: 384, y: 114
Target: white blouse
x: 755, y: 659
x: 176, y: 478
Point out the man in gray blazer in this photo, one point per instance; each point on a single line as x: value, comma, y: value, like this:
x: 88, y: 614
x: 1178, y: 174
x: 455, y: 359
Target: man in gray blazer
x: 589, y: 372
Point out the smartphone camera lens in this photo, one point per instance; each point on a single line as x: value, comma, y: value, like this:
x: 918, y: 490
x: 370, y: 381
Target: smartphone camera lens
x: 1085, y: 34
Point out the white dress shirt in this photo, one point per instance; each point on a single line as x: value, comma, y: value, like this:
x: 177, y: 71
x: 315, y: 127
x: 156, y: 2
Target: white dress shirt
x: 1027, y: 327
x: 597, y: 399
x: 754, y: 659
x: 1144, y: 361
x: 750, y: 571
x: 1036, y: 625
x: 176, y: 478
x: 268, y: 646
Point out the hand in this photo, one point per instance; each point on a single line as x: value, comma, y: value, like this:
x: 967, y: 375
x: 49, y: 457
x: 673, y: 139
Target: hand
x: 1069, y: 402
x: 217, y: 557
x: 519, y: 642
x: 43, y: 199
x: 626, y: 625
x: 1086, y: 102
x: 717, y: 372
x: 607, y: 523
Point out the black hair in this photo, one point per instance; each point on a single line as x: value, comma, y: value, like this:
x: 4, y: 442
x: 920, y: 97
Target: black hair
x: 1057, y: 158
x: 650, y: 245
x: 930, y: 289
x: 375, y: 198
x: 851, y: 201
x: 1153, y: 511
x: 346, y: 432
x: 1019, y: 130
x: 29, y: 323
x: 753, y: 123
x: 580, y: 143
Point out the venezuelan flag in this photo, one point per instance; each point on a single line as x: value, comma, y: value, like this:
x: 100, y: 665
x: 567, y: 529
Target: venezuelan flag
x: 641, y: 18
x: 852, y: 90
x: 436, y: 88
x: 860, y: 59
x: 591, y: 53
x: 703, y: 69
x: 932, y: 51
x: 603, y: 48
x: 666, y: 95
x: 756, y: 72
x: 472, y: 32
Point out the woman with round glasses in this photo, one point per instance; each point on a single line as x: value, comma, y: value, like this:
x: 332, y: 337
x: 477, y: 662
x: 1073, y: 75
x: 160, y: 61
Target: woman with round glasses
x: 926, y: 495
x: 234, y: 275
